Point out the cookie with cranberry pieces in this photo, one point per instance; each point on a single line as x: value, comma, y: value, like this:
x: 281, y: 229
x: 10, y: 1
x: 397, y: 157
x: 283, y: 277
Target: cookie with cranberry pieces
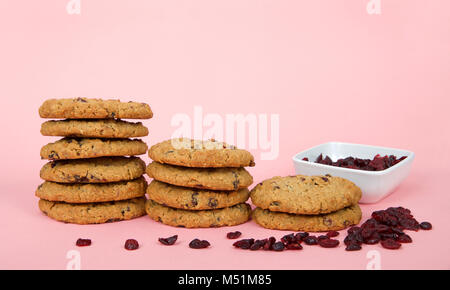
x: 305, y: 194
x: 87, y: 108
x: 196, y: 153
x: 228, y: 216
x: 334, y: 221
x: 93, y: 213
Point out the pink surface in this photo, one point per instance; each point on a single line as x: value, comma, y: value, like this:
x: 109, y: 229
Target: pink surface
x: 328, y: 68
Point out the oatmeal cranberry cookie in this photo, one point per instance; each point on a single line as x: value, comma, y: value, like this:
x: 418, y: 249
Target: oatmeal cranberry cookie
x: 305, y: 194
x: 204, y: 178
x: 194, y: 199
x: 96, y: 170
x: 194, y: 153
x: 88, y: 192
x: 101, y: 128
x: 335, y: 221
x: 79, y: 148
x: 84, y: 108
x: 228, y: 216
x: 94, y: 213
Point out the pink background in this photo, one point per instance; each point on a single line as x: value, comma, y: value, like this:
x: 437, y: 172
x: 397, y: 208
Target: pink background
x: 331, y: 70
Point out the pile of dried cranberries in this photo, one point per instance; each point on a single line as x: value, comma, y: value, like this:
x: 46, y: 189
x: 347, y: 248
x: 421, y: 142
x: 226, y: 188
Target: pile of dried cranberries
x: 385, y: 227
x: 378, y: 163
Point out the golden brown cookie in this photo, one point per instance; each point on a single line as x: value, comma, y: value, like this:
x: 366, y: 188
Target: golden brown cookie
x: 204, y: 178
x: 89, y: 192
x: 79, y: 148
x: 310, y: 223
x: 194, y: 153
x: 95, y: 170
x: 101, y: 128
x: 94, y: 213
x: 84, y: 108
x: 194, y: 199
x: 305, y: 194
x: 228, y: 216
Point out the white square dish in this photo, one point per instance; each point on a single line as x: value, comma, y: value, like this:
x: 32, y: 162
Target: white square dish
x: 375, y: 185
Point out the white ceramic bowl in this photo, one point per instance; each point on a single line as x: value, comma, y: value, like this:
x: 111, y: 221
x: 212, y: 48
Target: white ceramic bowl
x: 375, y: 185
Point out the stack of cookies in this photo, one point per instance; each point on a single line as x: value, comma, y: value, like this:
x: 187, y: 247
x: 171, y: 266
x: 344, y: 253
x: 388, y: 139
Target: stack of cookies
x: 306, y: 203
x: 198, y: 184
x: 89, y: 178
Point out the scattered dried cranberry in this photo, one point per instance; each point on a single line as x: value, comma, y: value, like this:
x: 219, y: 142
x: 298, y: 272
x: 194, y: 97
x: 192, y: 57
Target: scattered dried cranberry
x: 234, y: 235
x: 278, y: 246
x: 269, y: 243
x: 328, y: 243
x: 311, y: 240
x: 332, y: 234
x: 199, y: 244
x: 131, y: 244
x: 300, y: 236
x: 391, y: 244
x: 323, y: 237
x: 244, y: 244
x: 425, y: 226
x: 83, y: 242
x: 404, y: 239
x: 353, y: 247
x: 294, y: 246
x: 288, y: 239
x: 258, y: 244
x: 168, y: 241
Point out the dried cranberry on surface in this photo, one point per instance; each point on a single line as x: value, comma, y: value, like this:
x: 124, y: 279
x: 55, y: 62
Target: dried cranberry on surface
x: 328, y: 243
x: 288, y: 239
x: 425, y: 226
x: 258, y: 244
x: 234, y: 235
x: 83, y: 242
x: 168, y: 241
x: 199, y: 244
x: 390, y: 244
x: 269, y: 243
x: 278, y: 246
x: 353, y: 247
x: 300, y: 236
x: 332, y: 234
x: 404, y: 239
x: 311, y: 240
x: 131, y: 245
x: 294, y: 246
x: 244, y: 244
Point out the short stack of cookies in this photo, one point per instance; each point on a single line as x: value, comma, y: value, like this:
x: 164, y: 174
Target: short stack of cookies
x: 306, y: 203
x: 89, y: 178
x: 198, y: 184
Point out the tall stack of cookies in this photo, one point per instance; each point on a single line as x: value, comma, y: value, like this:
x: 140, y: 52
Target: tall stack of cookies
x: 198, y: 184
x: 93, y: 175
x: 306, y: 203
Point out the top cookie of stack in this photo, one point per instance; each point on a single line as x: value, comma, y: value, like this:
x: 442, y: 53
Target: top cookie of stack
x: 88, y: 178
x: 198, y: 183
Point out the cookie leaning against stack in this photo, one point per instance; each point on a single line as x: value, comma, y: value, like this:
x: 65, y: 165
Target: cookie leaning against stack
x: 306, y: 203
x: 198, y: 184
x: 89, y: 178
